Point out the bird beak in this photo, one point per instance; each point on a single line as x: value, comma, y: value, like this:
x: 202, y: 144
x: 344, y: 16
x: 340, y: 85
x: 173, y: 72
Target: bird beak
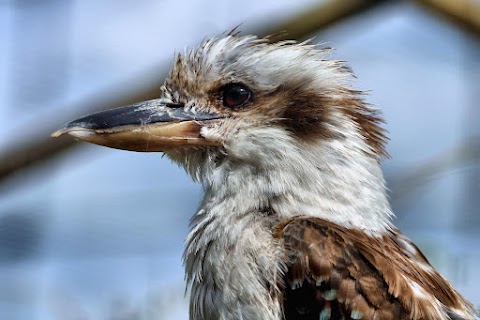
x: 153, y: 125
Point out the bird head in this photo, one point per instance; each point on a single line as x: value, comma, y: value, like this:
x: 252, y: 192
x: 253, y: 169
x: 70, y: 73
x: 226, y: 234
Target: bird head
x: 246, y: 100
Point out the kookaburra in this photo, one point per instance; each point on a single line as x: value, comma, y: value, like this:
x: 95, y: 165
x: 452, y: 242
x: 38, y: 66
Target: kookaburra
x: 295, y: 222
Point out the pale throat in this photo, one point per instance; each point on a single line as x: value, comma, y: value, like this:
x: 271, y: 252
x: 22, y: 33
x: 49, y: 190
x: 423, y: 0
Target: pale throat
x: 333, y: 180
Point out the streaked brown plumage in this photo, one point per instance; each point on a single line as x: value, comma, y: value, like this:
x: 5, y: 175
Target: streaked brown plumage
x: 350, y: 275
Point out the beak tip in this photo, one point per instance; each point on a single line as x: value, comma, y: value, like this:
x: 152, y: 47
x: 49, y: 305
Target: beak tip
x: 77, y: 132
x: 58, y: 133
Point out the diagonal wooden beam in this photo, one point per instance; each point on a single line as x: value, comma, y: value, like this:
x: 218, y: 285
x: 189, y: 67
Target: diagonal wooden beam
x: 465, y: 13
x: 319, y: 17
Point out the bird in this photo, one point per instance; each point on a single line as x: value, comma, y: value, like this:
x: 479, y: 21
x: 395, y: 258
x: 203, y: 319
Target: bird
x: 295, y: 222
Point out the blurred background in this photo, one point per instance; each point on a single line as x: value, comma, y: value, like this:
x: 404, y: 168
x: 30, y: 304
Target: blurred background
x: 93, y: 233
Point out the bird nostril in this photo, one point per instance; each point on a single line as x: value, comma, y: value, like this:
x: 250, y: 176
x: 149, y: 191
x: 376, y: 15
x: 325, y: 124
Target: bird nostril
x: 175, y: 105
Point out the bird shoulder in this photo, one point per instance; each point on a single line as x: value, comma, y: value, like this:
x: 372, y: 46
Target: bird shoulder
x: 335, y: 272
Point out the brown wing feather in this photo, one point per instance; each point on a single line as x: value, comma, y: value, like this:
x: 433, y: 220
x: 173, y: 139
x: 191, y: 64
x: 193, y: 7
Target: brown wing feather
x: 340, y: 273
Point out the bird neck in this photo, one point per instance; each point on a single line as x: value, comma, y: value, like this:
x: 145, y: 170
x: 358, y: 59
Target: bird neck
x: 338, y: 180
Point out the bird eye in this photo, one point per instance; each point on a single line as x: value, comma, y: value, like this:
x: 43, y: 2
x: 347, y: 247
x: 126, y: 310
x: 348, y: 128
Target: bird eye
x: 235, y: 95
